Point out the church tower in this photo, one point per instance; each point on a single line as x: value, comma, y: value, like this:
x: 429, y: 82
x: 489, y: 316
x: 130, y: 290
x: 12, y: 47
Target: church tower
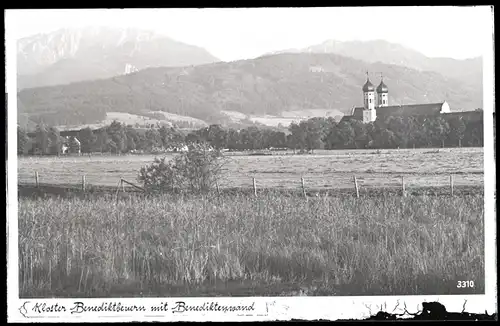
x: 382, y: 93
x: 368, y: 94
x: 369, y: 113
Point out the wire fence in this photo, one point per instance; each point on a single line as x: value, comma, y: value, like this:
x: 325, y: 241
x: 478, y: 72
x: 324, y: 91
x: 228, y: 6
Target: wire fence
x: 391, y: 169
x: 308, y: 185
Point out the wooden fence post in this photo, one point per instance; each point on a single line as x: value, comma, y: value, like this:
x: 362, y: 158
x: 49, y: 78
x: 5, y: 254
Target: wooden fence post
x: 356, y: 186
x: 451, y: 184
x: 254, y: 187
x: 118, y: 189
x: 403, y: 185
x: 303, y: 186
x: 36, y: 179
x: 83, y: 183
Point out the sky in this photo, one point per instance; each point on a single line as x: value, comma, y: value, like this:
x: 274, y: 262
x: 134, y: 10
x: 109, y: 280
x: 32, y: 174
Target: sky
x: 242, y: 33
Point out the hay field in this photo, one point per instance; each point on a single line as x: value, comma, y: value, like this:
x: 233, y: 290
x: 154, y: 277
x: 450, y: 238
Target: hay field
x: 240, y: 245
x: 322, y: 170
x: 270, y: 245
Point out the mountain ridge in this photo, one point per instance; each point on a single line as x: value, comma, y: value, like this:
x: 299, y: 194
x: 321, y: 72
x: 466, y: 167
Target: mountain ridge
x: 261, y: 87
x: 78, y: 54
x: 468, y: 70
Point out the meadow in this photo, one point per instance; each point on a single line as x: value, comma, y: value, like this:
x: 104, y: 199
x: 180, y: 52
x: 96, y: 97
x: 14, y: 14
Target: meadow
x: 323, y: 170
x: 270, y: 245
x: 277, y: 243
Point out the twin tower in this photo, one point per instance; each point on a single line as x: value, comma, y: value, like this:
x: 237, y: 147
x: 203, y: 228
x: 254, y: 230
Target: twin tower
x: 369, y: 112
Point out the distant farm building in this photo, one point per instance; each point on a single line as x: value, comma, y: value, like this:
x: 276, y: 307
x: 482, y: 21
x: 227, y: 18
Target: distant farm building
x: 71, y: 145
x: 316, y: 69
x: 67, y: 145
x: 130, y: 69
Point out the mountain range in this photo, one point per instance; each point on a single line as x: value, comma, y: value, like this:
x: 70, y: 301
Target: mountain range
x: 142, y: 74
x: 266, y: 88
x: 468, y: 70
x: 78, y: 54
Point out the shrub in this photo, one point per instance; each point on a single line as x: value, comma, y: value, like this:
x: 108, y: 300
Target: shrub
x: 196, y: 170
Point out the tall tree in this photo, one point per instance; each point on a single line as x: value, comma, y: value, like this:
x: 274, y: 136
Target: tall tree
x: 132, y: 138
x: 102, y: 141
x: 439, y: 129
x: 477, y: 132
x: 313, y: 130
x: 111, y: 147
x: 345, y: 135
x: 297, y: 139
x: 87, y: 140
x: 42, y: 140
x: 55, y: 141
x: 428, y: 133
x: 399, y: 126
x: 361, y: 138
x: 387, y: 139
x: 193, y: 137
x: 330, y: 139
x: 22, y: 140
x: 382, y: 137
x: 233, y: 139
x: 116, y: 132
x: 153, y: 139
x: 457, y: 130
x: 217, y: 136
x: 278, y: 139
x: 131, y: 145
x: 166, y: 136
x: 415, y: 132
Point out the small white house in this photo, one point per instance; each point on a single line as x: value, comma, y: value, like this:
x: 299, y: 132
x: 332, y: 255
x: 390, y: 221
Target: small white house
x: 183, y: 148
x: 316, y: 69
x: 66, y: 147
x: 79, y: 145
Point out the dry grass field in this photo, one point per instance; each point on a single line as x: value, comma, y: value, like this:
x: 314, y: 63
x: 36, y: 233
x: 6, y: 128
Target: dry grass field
x: 323, y: 170
x: 269, y: 245
x: 273, y: 244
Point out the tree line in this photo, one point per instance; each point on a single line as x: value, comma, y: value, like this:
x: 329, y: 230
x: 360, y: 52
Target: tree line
x: 304, y: 136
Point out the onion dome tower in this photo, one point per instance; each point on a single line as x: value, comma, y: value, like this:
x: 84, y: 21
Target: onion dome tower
x: 368, y: 94
x: 382, y: 93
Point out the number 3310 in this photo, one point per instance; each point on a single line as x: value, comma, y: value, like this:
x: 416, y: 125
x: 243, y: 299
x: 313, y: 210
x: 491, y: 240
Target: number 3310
x: 465, y: 284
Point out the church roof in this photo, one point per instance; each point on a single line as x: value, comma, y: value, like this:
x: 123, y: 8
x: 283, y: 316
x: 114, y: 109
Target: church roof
x: 357, y: 112
x: 368, y: 86
x: 382, y: 88
x: 412, y: 109
x: 398, y: 110
x: 466, y: 115
x: 348, y: 118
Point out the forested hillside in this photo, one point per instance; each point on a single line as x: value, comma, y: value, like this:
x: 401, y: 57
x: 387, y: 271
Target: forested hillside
x: 267, y: 85
x: 468, y: 71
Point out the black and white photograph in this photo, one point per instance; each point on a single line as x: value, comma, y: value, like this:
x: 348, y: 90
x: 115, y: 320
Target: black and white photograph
x: 250, y: 163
